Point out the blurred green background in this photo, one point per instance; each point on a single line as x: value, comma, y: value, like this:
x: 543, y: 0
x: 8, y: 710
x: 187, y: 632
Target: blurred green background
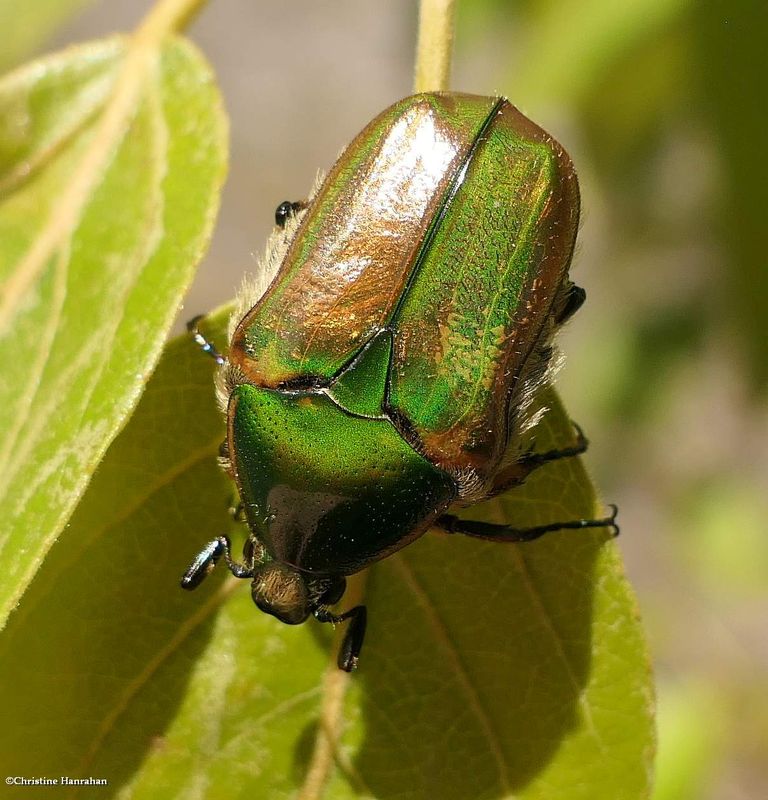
x: 661, y: 104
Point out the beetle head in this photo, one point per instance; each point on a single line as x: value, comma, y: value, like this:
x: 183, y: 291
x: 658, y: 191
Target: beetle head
x: 291, y: 596
x: 282, y: 591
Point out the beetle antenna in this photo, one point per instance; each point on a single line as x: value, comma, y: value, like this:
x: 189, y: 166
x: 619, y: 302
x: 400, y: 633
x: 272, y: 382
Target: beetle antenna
x: 205, y: 345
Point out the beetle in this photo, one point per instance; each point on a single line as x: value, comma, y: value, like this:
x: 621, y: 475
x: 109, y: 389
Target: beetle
x: 388, y: 370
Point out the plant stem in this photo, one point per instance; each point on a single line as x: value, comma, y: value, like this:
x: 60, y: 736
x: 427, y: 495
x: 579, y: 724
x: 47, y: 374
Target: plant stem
x: 166, y: 17
x: 435, y: 45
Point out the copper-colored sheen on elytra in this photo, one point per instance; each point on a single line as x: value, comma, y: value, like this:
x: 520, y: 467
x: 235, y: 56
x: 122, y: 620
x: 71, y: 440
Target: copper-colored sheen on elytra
x: 348, y: 265
x: 451, y: 220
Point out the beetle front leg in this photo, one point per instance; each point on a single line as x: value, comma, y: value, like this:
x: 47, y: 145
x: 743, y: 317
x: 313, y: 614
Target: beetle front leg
x: 349, y: 652
x: 204, y: 344
x: 505, y: 533
x: 206, y: 560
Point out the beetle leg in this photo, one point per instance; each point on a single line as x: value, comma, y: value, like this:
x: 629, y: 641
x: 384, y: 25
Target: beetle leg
x: 334, y: 591
x: 516, y: 473
x: 287, y: 209
x: 237, y: 510
x: 205, y: 345
x: 349, y: 652
x: 530, y: 461
x: 505, y: 533
x: 574, y: 300
x: 206, y: 560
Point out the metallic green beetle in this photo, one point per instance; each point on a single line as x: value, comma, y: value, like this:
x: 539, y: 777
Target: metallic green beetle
x: 389, y: 368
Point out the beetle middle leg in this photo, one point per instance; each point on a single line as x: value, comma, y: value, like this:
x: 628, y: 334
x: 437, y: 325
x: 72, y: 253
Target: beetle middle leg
x: 531, y: 460
x: 505, y: 533
x: 515, y: 473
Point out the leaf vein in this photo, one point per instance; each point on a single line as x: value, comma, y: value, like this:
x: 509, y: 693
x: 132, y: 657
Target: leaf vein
x: 83, y: 542
x: 443, y: 638
x: 133, y: 687
x: 37, y: 368
x: 149, y: 244
x: 546, y: 621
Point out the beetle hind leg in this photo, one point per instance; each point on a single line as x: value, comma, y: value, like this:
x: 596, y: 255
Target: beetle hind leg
x: 505, y: 533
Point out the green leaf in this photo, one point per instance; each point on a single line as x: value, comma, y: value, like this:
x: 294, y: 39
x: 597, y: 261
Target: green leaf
x: 112, y: 156
x: 489, y: 670
x: 26, y: 25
